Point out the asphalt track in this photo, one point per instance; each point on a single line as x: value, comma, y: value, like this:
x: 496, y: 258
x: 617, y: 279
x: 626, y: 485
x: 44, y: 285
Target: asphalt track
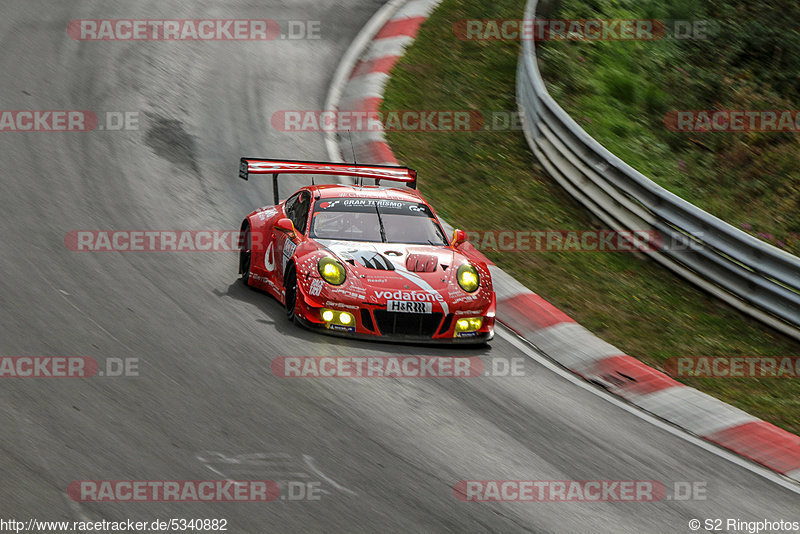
x: 206, y: 406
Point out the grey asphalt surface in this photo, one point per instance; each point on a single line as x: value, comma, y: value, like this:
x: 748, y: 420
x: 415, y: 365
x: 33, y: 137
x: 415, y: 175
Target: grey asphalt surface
x: 205, y: 405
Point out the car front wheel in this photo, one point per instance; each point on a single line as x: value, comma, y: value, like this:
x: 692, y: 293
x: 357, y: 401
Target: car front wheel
x: 245, y: 253
x: 291, y: 294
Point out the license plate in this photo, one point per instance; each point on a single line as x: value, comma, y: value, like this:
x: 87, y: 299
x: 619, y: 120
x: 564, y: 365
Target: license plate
x: 409, y: 306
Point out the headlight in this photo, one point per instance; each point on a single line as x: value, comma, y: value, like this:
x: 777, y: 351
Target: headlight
x: 468, y: 278
x: 331, y: 271
x: 338, y: 318
x: 468, y: 324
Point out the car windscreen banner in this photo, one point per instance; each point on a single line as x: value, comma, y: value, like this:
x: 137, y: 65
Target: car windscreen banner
x: 369, y: 205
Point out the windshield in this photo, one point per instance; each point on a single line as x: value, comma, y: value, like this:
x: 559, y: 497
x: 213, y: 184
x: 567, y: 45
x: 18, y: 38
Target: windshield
x: 377, y: 221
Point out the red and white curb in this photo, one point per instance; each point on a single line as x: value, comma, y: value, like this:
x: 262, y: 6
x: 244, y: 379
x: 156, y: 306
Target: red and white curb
x: 358, y: 86
x: 364, y: 70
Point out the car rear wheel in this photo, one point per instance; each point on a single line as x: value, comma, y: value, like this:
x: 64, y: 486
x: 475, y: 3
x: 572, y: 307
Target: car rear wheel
x: 245, y: 253
x: 291, y: 294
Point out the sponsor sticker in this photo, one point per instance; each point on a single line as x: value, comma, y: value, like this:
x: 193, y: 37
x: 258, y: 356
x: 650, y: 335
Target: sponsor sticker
x: 342, y: 328
x: 409, y: 306
x: 417, y: 296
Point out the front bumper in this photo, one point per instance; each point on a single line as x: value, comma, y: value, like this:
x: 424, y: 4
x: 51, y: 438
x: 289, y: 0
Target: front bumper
x: 372, y: 321
x: 369, y: 318
x: 477, y: 339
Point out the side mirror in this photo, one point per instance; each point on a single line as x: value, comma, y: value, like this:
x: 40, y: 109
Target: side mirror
x: 459, y: 237
x: 285, y: 226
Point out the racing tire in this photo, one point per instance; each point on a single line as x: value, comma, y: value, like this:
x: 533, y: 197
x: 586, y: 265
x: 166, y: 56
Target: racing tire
x: 245, y: 254
x: 291, y: 294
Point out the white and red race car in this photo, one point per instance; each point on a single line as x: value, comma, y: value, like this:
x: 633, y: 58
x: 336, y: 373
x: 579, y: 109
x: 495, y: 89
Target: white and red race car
x: 365, y: 260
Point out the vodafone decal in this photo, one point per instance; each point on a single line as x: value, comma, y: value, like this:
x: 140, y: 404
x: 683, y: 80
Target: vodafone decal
x: 418, y: 296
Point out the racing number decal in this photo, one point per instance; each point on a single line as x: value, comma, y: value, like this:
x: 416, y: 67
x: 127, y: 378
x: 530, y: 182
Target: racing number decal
x: 316, y: 287
x: 269, y: 258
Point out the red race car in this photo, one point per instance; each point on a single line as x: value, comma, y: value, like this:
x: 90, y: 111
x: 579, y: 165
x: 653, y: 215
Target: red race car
x: 365, y: 261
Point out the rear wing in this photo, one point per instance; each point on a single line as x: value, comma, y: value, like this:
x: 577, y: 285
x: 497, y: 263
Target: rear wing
x: 248, y: 166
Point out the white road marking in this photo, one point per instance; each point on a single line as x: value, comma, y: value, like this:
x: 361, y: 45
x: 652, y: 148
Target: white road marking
x: 309, y: 462
x: 260, y: 463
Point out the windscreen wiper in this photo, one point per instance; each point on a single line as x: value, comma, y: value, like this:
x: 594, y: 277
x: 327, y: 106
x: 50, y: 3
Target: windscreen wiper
x: 380, y: 221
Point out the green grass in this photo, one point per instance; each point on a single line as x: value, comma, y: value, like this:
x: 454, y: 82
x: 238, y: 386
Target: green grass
x: 620, y: 93
x: 490, y: 180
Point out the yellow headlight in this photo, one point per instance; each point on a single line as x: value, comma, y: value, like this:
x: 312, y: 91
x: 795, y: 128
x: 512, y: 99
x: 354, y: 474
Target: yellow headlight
x: 468, y: 278
x: 469, y: 324
x: 335, y: 318
x: 331, y: 271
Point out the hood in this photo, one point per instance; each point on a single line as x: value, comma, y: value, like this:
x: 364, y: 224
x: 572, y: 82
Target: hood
x: 427, y: 267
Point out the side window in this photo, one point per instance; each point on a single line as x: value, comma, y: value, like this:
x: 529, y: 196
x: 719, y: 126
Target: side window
x: 301, y: 212
x: 288, y: 207
x: 296, y: 209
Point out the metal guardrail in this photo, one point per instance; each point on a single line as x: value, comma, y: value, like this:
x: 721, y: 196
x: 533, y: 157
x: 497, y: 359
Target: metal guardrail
x: 749, y: 274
